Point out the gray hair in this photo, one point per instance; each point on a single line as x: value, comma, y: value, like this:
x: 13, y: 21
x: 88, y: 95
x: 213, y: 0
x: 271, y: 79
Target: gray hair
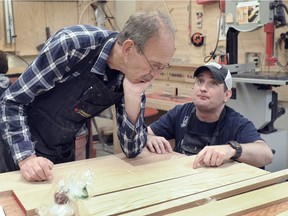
x: 142, y: 26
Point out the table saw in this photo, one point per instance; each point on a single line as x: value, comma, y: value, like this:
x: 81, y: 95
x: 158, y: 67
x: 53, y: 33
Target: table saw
x: 254, y: 98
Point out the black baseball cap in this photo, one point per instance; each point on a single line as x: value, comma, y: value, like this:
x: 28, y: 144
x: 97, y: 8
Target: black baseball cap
x: 220, y: 73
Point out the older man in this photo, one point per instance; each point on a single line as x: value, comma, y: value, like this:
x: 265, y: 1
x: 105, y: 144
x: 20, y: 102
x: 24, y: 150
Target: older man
x: 81, y: 71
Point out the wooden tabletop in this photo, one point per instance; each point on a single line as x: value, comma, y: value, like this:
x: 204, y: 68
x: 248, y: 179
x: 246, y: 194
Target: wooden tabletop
x: 148, y: 184
x: 165, y: 102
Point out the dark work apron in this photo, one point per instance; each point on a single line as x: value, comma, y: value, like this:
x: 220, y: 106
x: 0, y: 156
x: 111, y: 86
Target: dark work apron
x: 194, y: 142
x: 56, y: 116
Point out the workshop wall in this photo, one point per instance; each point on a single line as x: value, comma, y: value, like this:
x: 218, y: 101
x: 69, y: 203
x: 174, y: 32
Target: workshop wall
x: 33, y: 17
x: 188, y: 21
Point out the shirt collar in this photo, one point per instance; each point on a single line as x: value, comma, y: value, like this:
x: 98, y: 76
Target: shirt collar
x: 101, y: 62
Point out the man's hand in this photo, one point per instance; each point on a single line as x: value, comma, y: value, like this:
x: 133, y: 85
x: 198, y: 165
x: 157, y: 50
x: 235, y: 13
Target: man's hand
x: 212, y: 156
x: 158, y: 144
x: 36, y: 168
x: 132, y: 98
x: 135, y: 88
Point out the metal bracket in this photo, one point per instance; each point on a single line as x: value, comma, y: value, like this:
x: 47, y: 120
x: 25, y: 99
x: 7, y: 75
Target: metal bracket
x: 241, y: 68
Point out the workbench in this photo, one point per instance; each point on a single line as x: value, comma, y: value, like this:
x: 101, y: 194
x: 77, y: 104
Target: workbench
x: 173, y: 87
x: 152, y: 184
x: 164, y: 101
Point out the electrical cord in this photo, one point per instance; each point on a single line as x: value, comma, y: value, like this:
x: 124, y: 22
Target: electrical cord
x: 282, y: 5
x: 212, y: 53
x: 84, y: 9
x: 279, y: 18
x: 278, y: 47
x: 12, y: 53
x: 108, y: 18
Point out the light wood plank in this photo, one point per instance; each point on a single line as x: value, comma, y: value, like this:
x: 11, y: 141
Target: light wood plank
x: 107, y: 168
x: 241, y: 204
x: 10, y: 204
x: 118, y: 179
x: 284, y: 213
x: 279, y: 209
x: 146, y: 157
x: 215, y: 194
x: 160, y: 104
x: 169, y: 188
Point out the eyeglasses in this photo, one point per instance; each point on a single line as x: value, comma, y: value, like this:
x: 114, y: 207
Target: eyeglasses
x: 152, y: 68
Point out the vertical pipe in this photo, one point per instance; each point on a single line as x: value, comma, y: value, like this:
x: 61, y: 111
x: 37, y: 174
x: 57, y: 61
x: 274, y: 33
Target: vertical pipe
x: 9, y: 22
x: 270, y: 59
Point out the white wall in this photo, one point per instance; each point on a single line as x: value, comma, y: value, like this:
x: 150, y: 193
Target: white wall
x: 123, y: 9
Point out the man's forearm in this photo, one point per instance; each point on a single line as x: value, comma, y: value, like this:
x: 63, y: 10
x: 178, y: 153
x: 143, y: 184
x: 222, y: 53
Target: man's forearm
x: 132, y: 107
x: 256, y: 154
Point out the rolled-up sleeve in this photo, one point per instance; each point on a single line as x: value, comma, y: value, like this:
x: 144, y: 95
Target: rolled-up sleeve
x: 132, y: 137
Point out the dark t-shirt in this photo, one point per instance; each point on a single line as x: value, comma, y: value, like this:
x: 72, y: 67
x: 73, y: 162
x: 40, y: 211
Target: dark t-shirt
x: 233, y: 126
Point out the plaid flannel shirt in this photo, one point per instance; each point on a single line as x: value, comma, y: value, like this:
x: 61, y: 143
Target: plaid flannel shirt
x: 59, y: 55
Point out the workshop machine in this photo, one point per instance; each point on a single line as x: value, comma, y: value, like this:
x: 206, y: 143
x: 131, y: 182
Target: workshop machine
x: 253, y: 94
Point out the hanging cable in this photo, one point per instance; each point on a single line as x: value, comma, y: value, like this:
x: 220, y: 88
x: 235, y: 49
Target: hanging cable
x: 283, y: 39
x: 84, y: 9
x: 101, y: 11
x: 212, y: 53
x: 116, y: 23
x: 19, y: 57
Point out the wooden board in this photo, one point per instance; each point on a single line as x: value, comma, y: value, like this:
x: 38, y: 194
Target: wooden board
x: 280, y: 209
x: 219, y: 193
x: 243, y: 203
x: 176, y: 179
x: 11, y: 204
x: 147, y: 184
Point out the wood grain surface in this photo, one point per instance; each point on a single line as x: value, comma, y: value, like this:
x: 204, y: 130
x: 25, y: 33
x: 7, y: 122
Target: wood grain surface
x: 150, y: 184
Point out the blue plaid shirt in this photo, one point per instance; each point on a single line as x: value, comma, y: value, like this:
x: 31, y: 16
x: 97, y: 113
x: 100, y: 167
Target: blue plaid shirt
x: 58, y: 56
